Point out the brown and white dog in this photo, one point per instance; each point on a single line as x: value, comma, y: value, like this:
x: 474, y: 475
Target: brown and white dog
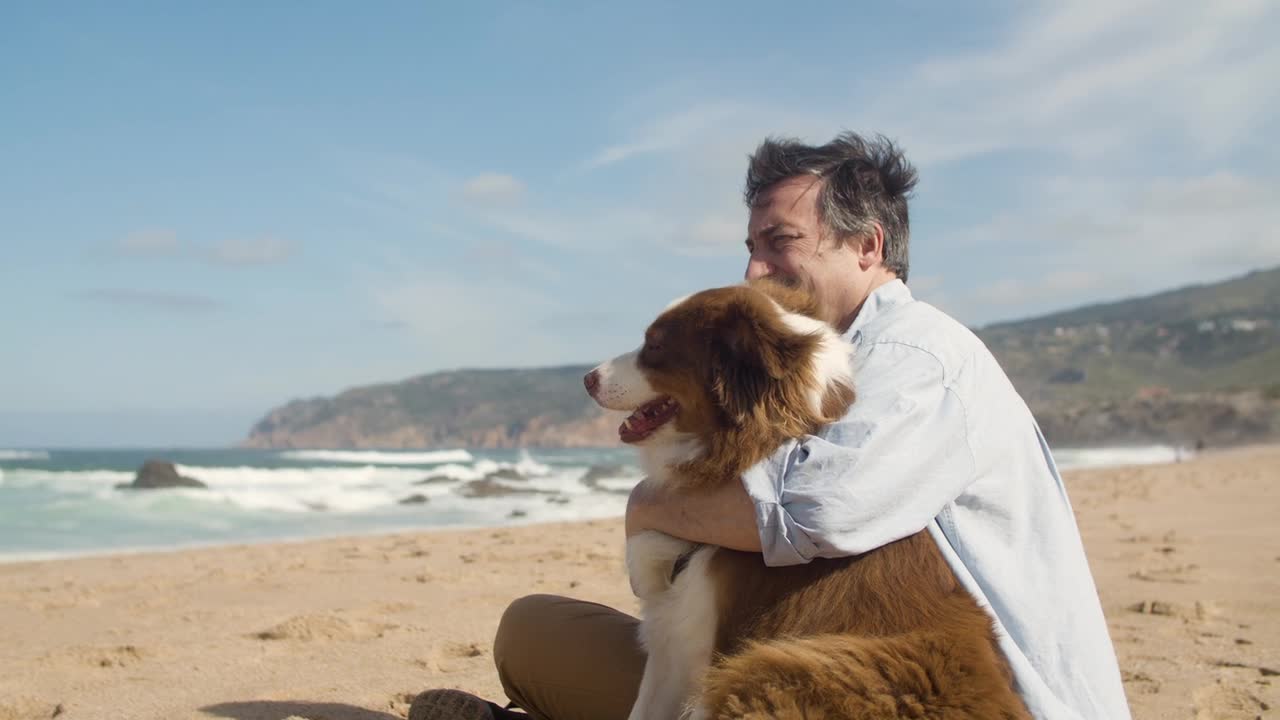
x: 723, y: 379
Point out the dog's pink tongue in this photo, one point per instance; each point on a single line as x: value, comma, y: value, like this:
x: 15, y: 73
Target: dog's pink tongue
x: 646, y: 419
x: 635, y: 427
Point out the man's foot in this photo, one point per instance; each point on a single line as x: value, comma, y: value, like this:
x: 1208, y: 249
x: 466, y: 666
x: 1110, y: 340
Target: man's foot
x: 457, y: 705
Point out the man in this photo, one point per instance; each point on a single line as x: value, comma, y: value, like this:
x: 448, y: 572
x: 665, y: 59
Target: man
x: 938, y: 439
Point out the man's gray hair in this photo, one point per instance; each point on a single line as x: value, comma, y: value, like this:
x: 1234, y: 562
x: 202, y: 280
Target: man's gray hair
x: 865, y: 182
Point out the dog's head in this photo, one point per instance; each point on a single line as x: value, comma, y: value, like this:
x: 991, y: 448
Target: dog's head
x: 748, y: 361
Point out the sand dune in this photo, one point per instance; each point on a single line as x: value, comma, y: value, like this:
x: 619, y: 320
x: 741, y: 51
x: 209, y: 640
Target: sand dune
x: 1187, y: 559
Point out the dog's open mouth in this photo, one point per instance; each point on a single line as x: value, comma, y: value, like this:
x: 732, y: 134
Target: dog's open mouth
x: 647, y: 418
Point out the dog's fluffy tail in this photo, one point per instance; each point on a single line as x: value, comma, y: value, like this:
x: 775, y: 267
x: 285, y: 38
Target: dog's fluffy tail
x: 917, y: 675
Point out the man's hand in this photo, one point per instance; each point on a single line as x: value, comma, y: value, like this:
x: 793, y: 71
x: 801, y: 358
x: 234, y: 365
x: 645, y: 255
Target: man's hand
x: 723, y: 516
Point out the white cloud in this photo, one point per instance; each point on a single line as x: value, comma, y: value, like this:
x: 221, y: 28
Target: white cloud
x: 231, y: 252
x: 713, y: 235
x: 1130, y: 123
x: 493, y: 188
x: 1092, y: 79
x: 469, y: 322
x: 670, y: 131
x: 1122, y: 238
x: 150, y: 243
x: 1051, y: 286
x: 1089, y: 98
x: 1087, y: 80
x: 595, y: 228
x: 171, y: 302
x: 238, y: 252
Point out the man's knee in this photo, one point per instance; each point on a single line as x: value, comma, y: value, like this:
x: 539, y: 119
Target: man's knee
x: 559, y: 657
x: 520, y: 622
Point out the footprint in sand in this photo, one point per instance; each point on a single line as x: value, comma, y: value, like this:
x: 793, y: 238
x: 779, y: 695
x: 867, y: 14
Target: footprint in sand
x: 1171, y: 574
x: 1155, y: 607
x: 23, y: 708
x: 323, y: 627
x: 399, y: 703
x: 453, y: 656
x: 121, y: 656
x: 464, y: 650
x: 1200, y: 612
x: 1222, y: 701
x: 1139, y: 682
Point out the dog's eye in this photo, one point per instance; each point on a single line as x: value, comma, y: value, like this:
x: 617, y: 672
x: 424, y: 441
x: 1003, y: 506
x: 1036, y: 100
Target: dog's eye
x: 651, y: 354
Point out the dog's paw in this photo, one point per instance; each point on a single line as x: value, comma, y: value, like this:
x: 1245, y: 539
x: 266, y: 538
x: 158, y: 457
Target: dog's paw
x: 651, y: 555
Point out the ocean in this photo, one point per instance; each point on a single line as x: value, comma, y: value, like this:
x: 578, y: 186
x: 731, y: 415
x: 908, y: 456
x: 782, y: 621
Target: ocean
x: 59, y: 503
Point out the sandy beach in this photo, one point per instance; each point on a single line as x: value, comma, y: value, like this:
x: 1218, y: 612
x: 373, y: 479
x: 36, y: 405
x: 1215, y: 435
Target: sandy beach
x: 1186, y: 557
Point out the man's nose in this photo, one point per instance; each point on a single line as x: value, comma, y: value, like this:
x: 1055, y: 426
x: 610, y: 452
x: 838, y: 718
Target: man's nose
x: 757, y: 269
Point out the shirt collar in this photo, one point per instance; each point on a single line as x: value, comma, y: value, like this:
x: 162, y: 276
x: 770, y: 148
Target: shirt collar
x: 884, y: 298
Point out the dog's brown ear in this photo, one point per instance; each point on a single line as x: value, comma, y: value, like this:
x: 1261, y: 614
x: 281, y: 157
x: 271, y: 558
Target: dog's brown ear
x: 751, y: 350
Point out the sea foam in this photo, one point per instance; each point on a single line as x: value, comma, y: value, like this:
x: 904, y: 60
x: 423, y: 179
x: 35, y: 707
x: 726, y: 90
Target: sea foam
x: 24, y: 455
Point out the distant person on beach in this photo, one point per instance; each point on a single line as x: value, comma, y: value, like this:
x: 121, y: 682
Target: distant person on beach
x: 938, y: 439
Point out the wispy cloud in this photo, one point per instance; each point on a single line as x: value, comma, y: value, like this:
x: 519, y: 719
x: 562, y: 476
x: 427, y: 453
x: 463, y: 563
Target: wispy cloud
x: 1050, y: 286
x: 468, y: 322
x: 669, y: 131
x: 230, y: 252
x: 1118, y: 238
x: 167, y: 302
x: 150, y: 243
x: 237, y: 252
x: 493, y: 188
x: 1087, y: 96
x: 1086, y: 79
x: 1091, y: 79
x: 714, y: 234
x: 1131, y: 121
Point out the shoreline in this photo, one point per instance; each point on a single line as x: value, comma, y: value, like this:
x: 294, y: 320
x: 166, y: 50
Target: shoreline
x: 1185, y: 557
x: 54, y: 556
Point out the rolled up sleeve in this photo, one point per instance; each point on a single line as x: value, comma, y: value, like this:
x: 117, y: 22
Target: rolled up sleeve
x: 879, y: 474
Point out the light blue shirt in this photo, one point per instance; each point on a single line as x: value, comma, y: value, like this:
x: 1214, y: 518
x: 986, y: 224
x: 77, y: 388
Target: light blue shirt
x: 938, y: 438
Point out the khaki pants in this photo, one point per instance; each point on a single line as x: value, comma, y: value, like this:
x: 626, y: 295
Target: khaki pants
x: 565, y: 659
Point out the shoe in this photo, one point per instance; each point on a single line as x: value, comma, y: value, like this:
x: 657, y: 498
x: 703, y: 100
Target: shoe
x: 456, y: 705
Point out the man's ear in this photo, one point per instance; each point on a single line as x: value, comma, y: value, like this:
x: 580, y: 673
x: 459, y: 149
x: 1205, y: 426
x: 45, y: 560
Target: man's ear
x: 869, y: 246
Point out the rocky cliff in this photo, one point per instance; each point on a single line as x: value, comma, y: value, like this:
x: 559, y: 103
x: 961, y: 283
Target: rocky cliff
x: 543, y: 407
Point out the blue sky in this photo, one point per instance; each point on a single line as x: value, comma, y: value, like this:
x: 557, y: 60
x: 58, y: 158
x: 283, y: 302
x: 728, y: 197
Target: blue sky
x: 209, y: 210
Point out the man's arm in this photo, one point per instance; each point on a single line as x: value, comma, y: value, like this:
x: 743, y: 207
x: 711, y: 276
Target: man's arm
x: 882, y: 472
x: 724, y: 516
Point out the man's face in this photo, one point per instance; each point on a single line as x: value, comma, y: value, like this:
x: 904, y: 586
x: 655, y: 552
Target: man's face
x: 788, y: 242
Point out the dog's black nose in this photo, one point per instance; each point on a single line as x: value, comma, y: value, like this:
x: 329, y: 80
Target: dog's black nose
x: 592, y: 381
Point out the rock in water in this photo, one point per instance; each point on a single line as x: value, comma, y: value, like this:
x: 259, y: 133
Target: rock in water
x: 156, y: 474
x: 596, y: 473
x: 491, y: 488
